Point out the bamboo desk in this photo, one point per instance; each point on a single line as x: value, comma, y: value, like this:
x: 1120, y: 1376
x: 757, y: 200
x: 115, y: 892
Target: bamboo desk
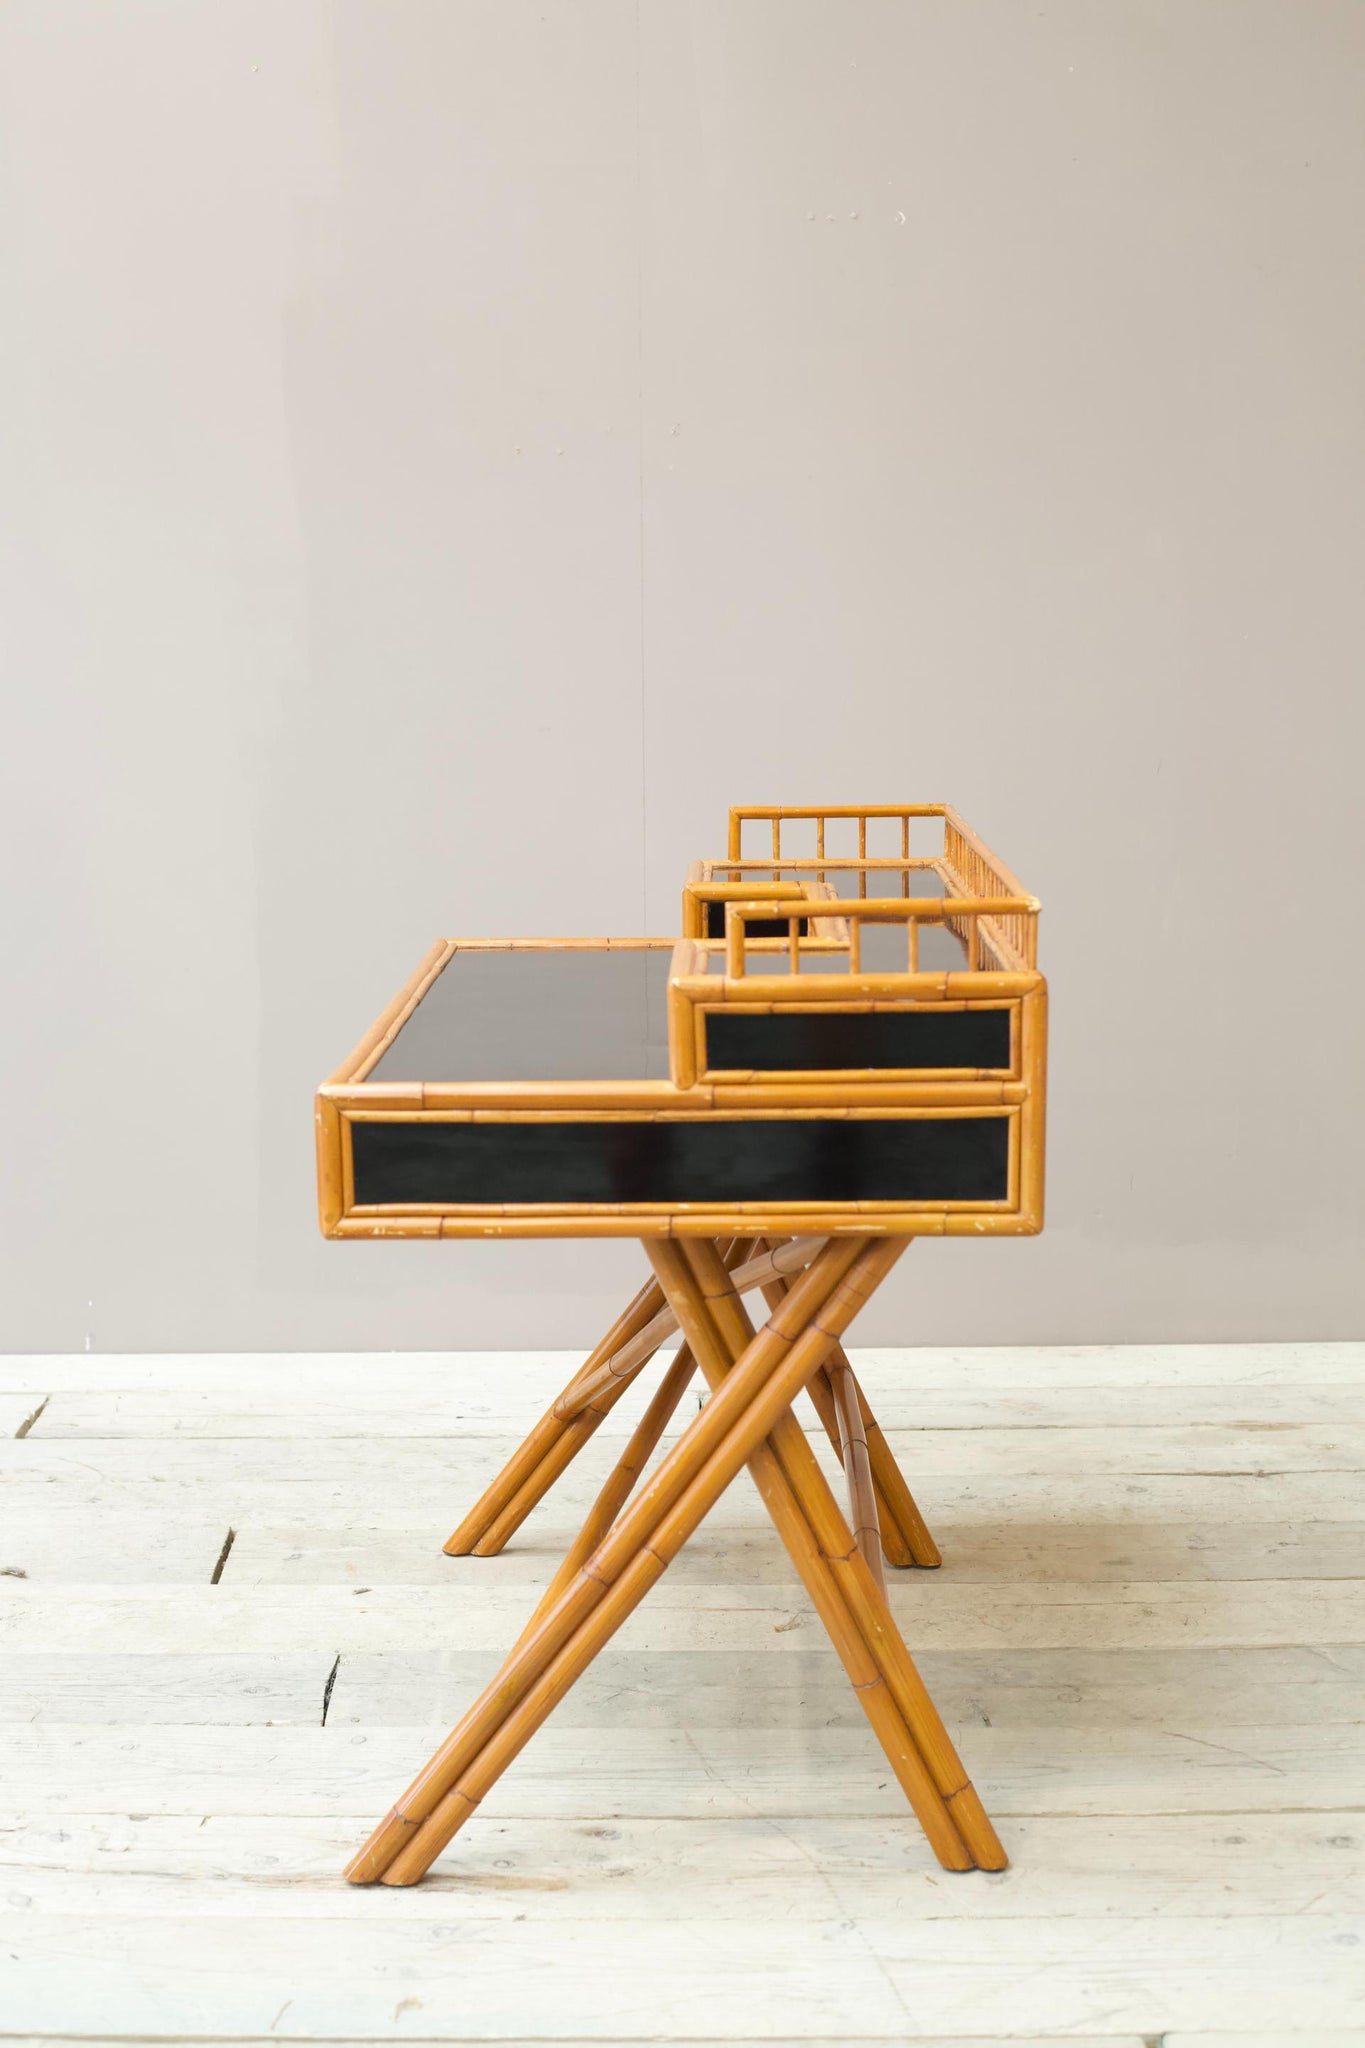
x: 842, y: 1051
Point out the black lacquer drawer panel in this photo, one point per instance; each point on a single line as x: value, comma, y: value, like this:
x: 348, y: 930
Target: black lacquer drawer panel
x: 693, y: 1159
x: 791, y: 1041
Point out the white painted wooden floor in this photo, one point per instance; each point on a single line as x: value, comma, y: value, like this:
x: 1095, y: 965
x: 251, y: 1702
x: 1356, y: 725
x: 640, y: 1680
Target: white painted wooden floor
x: 230, y: 1637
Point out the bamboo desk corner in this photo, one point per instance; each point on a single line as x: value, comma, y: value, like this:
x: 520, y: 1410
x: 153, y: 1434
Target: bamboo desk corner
x: 844, y: 1049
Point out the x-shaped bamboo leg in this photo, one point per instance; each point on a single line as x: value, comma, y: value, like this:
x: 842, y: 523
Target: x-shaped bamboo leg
x: 598, y: 1385
x: 748, y: 1420
x: 845, y: 1589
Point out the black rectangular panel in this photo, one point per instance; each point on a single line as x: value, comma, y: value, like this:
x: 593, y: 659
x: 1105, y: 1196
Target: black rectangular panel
x: 802, y: 1041
x: 484, y: 1018
x: 756, y: 927
x: 693, y: 1159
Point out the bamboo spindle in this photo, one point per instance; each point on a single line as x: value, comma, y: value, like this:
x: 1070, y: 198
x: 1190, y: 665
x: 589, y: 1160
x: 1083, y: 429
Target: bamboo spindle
x: 906, y: 1538
x: 716, y: 1333
x: 516, y: 1483
x: 862, y: 1499
x: 895, y: 1496
x: 894, y: 1547
x: 673, y: 1500
x: 868, y: 1607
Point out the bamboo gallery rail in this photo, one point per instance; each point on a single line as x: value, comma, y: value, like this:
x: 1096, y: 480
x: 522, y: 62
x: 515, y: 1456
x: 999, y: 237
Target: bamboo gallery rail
x: 774, y: 1114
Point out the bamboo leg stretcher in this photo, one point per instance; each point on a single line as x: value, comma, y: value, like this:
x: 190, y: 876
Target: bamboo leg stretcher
x: 841, y: 1052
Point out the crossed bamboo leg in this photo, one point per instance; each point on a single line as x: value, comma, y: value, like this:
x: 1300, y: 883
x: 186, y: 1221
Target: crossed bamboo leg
x: 633, y: 1339
x: 755, y: 1379
x: 845, y: 1586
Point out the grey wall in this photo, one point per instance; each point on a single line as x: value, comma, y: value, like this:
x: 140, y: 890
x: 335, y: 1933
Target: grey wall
x: 448, y: 442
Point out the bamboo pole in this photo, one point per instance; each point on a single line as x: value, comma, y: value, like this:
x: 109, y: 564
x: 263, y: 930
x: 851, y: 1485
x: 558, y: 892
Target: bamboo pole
x: 862, y: 1498
x: 868, y: 1607
x: 620, y: 1482
x: 906, y: 1539
x: 813, y: 1567
x: 896, y: 1500
x: 823, y: 1403
x: 519, y: 1473
x: 719, y: 1331
x: 697, y: 895
x: 670, y: 1505
x: 394, y: 1015
x: 598, y: 1393
x: 905, y: 1220
x: 894, y: 1545
x: 619, y: 1369
x: 331, y: 1187
x: 552, y: 1466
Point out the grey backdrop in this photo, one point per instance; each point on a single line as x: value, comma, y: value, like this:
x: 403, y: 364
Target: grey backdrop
x: 454, y: 450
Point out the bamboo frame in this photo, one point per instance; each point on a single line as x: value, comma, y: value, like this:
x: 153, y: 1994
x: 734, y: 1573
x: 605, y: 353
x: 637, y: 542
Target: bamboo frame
x: 962, y: 848
x: 775, y: 815
x: 698, y: 895
x: 932, y: 1216
x: 1018, y: 913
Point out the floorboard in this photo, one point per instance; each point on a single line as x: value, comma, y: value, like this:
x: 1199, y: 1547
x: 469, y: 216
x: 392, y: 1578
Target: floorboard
x: 675, y: 1771
x: 230, y: 1635
x: 523, y: 1381
x: 707, y: 1865
x: 899, y: 1977
x: 225, y: 1409
x: 933, y: 1611
x: 411, y: 1483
